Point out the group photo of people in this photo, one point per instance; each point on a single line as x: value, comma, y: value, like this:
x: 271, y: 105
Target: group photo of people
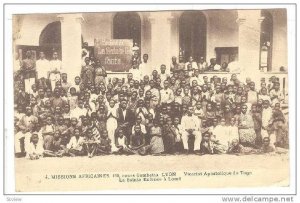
x: 173, y: 109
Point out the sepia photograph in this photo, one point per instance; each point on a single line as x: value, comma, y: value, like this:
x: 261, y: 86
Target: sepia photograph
x: 160, y: 99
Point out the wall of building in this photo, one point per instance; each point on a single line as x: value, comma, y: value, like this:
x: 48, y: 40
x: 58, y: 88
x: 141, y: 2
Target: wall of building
x: 96, y: 25
x: 100, y: 25
x: 222, y: 31
x: 31, y: 27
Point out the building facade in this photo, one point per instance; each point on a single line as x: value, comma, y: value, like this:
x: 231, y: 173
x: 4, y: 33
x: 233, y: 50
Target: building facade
x: 257, y: 39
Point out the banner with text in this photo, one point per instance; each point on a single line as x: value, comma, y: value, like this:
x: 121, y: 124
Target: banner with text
x: 115, y: 54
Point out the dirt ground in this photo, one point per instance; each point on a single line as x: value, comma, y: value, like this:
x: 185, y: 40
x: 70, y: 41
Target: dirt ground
x: 263, y: 170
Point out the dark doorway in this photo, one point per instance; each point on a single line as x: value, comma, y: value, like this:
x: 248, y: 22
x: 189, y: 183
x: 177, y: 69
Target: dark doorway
x: 127, y: 25
x: 192, y: 34
x: 50, y: 39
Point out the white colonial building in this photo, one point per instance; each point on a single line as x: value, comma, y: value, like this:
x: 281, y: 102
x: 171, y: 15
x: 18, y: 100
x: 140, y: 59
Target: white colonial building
x: 257, y: 39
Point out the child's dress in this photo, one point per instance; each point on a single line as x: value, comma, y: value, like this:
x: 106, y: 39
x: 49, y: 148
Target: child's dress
x: 156, y: 142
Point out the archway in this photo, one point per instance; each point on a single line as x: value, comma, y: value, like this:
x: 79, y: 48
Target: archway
x: 192, y: 34
x: 50, y: 39
x: 127, y: 25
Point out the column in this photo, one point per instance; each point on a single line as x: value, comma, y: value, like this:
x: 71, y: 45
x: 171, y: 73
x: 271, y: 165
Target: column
x: 71, y: 44
x: 160, y: 39
x: 249, y: 41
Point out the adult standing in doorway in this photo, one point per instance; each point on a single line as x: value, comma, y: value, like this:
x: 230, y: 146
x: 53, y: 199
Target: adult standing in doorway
x: 55, y: 70
x: 42, y: 70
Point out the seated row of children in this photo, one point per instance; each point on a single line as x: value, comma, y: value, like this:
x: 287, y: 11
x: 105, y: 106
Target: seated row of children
x: 86, y: 142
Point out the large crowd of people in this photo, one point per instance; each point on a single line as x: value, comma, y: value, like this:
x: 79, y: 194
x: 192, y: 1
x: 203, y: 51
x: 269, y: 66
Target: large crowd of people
x: 175, y: 109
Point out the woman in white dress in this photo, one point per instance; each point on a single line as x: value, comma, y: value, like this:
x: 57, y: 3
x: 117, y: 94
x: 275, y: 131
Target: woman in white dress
x: 111, y: 123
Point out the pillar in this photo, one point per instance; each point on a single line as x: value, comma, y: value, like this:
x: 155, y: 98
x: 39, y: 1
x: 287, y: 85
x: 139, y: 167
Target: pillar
x: 160, y: 39
x: 71, y: 44
x: 249, y: 41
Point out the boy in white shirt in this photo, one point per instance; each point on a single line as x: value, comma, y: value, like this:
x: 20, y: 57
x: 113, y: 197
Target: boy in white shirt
x: 75, y: 145
x: 233, y: 131
x: 35, y: 148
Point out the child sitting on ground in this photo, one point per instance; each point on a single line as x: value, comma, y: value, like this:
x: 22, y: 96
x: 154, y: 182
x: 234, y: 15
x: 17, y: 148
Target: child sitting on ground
x: 122, y: 143
x: 104, y: 147
x: 56, y: 148
x: 35, y: 148
x: 90, y: 143
x: 236, y: 148
x: 75, y: 145
x: 206, y: 145
x: 137, y: 139
x: 156, y: 146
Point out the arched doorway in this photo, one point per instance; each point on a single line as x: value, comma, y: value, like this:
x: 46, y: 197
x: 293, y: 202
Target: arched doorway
x: 266, y: 40
x: 127, y: 25
x: 50, y: 39
x: 192, y: 34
